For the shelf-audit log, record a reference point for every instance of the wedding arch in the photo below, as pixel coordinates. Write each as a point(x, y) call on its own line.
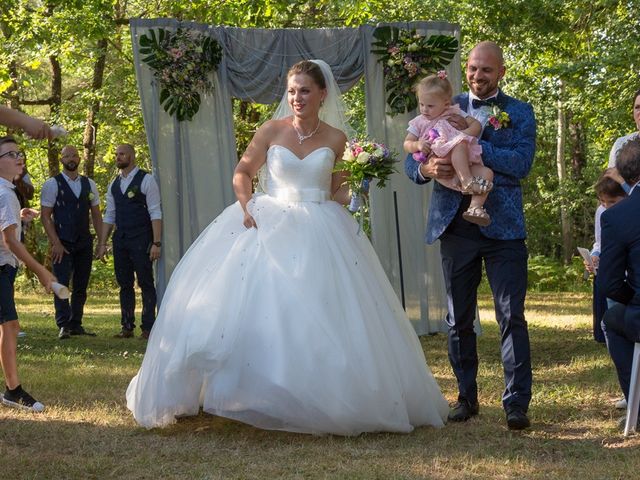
point(193, 161)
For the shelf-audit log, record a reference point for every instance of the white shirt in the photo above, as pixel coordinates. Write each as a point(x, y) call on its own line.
point(481, 114)
point(149, 188)
point(9, 215)
point(595, 251)
point(49, 192)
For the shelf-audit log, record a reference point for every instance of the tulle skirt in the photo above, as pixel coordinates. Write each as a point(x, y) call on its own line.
point(291, 326)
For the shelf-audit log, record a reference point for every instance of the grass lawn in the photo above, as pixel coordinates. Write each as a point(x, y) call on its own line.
point(87, 432)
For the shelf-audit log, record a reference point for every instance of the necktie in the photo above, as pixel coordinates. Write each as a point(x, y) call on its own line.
point(477, 103)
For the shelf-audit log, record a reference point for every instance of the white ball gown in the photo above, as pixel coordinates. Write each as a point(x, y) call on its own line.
point(291, 326)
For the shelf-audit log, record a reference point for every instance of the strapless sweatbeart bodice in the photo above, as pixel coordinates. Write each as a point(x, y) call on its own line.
point(292, 178)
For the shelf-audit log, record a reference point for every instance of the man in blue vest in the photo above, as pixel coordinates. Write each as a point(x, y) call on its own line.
point(508, 147)
point(133, 207)
point(67, 201)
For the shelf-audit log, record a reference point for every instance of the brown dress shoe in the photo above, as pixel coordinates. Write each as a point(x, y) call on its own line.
point(124, 333)
point(145, 334)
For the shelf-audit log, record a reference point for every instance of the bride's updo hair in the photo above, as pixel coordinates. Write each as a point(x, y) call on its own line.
point(307, 67)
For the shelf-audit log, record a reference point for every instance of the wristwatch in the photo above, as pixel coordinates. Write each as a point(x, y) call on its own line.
point(156, 244)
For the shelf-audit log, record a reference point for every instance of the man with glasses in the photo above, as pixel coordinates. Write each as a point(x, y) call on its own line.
point(67, 201)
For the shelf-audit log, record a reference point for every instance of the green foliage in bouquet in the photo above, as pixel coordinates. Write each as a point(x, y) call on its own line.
point(366, 160)
point(407, 56)
point(181, 63)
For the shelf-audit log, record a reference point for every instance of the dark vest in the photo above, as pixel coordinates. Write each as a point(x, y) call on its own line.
point(132, 215)
point(71, 213)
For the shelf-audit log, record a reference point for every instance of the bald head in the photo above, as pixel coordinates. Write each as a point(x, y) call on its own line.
point(69, 158)
point(125, 157)
point(485, 69)
point(489, 48)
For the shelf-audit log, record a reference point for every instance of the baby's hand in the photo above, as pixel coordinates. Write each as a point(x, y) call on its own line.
point(424, 146)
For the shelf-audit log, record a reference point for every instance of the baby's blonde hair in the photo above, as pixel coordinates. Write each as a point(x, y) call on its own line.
point(435, 84)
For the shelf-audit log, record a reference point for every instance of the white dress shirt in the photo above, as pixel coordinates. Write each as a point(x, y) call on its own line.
point(481, 114)
point(149, 188)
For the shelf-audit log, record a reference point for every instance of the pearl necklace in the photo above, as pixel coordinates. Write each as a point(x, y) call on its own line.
point(301, 137)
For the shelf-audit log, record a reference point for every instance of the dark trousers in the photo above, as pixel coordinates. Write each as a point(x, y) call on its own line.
point(131, 255)
point(599, 307)
point(73, 271)
point(463, 248)
point(619, 345)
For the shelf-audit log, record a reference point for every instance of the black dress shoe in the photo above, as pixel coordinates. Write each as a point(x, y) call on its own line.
point(64, 333)
point(81, 331)
point(517, 420)
point(463, 411)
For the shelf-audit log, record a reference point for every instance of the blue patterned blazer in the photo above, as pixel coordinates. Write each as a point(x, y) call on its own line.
point(509, 152)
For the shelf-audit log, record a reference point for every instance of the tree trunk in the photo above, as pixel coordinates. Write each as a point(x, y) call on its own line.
point(56, 101)
point(578, 147)
point(565, 219)
point(91, 128)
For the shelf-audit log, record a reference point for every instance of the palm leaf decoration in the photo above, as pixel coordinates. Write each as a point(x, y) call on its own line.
point(406, 57)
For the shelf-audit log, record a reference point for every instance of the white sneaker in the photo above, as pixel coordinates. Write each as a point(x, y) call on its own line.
point(621, 404)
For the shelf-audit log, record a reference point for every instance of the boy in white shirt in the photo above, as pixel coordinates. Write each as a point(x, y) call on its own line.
point(12, 251)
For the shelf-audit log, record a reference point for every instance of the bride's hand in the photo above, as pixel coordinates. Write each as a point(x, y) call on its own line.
point(249, 221)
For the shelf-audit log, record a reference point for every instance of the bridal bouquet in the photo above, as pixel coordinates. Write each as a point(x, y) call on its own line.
point(365, 160)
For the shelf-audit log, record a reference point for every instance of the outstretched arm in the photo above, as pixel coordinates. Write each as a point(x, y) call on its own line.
point(32, 126)
point(20, 251)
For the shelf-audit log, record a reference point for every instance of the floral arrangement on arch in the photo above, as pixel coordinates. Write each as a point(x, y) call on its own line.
point(181, 63)
point(406, 56)
point(365, 160)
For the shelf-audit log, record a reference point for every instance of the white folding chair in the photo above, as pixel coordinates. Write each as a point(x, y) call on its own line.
point(634, 393)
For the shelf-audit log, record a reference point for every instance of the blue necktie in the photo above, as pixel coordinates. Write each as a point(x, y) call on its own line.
point(477, 103)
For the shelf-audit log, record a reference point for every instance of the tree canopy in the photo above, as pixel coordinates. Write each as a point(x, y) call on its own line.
point(576, 62)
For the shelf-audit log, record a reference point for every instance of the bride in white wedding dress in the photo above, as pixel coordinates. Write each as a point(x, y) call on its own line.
point(280, 314)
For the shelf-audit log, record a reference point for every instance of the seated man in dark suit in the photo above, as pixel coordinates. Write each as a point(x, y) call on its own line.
point(619, 272)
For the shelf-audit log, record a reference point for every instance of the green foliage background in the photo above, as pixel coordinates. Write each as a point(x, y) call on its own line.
point(590, 47)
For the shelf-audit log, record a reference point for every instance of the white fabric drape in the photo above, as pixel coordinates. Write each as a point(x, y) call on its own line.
point(193, 161)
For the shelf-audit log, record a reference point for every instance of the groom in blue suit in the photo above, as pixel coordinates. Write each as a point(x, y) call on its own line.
point(619, 268)
point(508, 150)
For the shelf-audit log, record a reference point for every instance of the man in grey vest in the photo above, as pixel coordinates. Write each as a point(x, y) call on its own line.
point(67, 201)
point(133, 207)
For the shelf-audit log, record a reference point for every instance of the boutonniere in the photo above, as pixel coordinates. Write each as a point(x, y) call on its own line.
point(132, 191)
point(499, 118)
point(91, 196)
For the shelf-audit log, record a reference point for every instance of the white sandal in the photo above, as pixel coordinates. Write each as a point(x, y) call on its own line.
point(477, 186)
point(477, 215)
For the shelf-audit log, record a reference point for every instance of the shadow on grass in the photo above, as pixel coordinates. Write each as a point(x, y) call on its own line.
point(205, 446)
